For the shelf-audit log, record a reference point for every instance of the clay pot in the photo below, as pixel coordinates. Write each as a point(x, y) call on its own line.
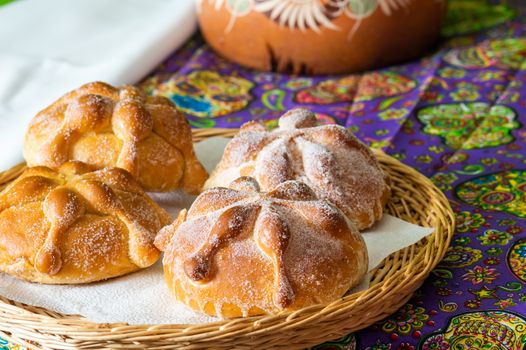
point(320, 36)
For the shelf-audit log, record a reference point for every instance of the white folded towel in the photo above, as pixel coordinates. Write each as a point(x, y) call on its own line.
point(50, 47)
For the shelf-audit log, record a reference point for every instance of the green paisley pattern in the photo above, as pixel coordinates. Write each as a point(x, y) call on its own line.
point(499, 53)
point(469, 125)
point(466, 16)
point(492, 330)
point(517, 259)
point(504, 191)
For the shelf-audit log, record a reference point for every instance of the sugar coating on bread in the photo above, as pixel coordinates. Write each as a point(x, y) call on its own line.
point(75, 225)
point(328, 158)
point(241, 252)
point(107, 127)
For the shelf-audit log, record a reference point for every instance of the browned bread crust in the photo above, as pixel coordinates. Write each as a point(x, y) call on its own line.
point(77, 226)
point(117, 127)
point(242, 252)
point(328, 158)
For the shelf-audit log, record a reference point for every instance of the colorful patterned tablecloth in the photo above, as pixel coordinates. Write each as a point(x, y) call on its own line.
point(458, 117)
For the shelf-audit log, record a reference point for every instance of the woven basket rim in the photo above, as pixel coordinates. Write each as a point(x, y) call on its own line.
point(23, 320)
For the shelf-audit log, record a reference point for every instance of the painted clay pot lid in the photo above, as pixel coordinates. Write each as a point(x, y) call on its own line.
point(320, 36)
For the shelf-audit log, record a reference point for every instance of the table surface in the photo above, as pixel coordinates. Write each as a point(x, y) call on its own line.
point(458, 116)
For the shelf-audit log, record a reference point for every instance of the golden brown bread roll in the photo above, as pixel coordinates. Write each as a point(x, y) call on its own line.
point(328, 158)
point(241, 252)
point(107, 127)
point(77, 226)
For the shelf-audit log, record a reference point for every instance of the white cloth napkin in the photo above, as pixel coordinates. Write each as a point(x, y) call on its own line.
point(50, 47)
point(144, 298)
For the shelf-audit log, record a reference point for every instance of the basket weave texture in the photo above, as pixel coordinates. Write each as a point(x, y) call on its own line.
point(415, 199)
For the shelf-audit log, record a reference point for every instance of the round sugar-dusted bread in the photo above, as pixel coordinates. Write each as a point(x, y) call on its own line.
point(328, 158)
point(242, 252)
point(74, 225)
point(117, 127)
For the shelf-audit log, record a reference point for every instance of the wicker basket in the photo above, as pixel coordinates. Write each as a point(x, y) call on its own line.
point(415, 199)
